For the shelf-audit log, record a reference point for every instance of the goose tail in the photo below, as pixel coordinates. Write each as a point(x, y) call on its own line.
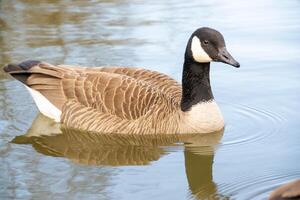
point(21, 71)
point(43, 81)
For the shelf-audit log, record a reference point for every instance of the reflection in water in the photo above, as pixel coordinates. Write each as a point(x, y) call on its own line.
point(199, 172)
point(90, 148)
point(50, 138)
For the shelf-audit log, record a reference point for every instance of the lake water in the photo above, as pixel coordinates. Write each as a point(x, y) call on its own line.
point(258, 150)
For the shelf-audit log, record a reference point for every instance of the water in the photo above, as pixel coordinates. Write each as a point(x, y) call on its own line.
point(258, 151)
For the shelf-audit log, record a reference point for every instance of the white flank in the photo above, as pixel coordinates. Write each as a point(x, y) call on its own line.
point(44, 105)
point(203, 117)
point(198, 52)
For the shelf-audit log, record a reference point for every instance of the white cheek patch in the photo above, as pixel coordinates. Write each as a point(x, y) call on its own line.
point(198, 52)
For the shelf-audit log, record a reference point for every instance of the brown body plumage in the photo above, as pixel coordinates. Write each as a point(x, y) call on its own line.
point(109, 99)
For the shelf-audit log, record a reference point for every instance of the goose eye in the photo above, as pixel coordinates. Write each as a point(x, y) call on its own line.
point(205, 42)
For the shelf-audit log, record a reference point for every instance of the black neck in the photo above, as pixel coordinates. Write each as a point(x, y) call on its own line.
point(195, 84)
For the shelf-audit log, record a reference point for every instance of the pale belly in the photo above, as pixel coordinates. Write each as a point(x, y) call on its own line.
point(202, 118)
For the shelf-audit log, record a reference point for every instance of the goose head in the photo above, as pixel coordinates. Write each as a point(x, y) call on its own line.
point(207, 45)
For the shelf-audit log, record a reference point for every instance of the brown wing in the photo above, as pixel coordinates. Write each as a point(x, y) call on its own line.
point(124, 93)
point(113, 94)
point(162, 82)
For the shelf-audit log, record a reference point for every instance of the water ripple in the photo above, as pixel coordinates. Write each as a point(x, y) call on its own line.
point(258, 188)
point(258, 124)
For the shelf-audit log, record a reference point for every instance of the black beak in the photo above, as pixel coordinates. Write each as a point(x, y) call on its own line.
point(225, 57)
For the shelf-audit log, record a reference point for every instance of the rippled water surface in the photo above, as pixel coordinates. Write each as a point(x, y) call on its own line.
point(258, 150)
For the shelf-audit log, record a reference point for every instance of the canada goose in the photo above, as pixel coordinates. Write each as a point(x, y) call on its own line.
point(287, 191)
point(131, 100)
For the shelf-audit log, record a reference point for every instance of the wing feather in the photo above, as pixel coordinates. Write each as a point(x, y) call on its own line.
point(109, 93)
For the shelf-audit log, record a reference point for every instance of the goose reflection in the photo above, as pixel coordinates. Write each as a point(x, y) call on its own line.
point(53, 139)
point(199, 171)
